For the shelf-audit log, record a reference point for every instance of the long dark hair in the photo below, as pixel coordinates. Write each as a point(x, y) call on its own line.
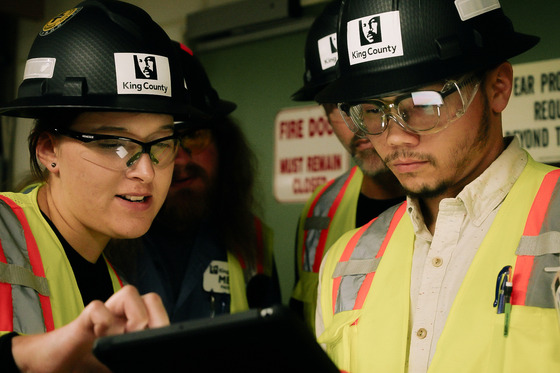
point(235, 206)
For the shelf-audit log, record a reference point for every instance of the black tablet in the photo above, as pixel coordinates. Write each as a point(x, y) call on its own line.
point(259, 340)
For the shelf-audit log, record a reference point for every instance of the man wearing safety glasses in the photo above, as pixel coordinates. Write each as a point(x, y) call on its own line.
point(347, 201)
point(458, 277)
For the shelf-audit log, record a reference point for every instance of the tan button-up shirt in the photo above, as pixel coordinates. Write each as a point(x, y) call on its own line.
point(440, 262)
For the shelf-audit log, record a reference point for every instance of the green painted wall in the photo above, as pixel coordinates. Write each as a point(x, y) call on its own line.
point(261, 76)
point(537, 17)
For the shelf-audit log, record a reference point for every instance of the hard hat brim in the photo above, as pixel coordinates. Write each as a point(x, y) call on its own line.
point(37, 107)
point(307, 93)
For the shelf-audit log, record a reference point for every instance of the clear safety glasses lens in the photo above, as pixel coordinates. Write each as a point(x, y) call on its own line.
point(119, 153)
point(195, 141)
point(419, 112)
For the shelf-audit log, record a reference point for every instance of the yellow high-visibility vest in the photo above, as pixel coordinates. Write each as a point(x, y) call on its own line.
point(38, 290)
point(328, 214)
point(238, 270)
point(365, 299)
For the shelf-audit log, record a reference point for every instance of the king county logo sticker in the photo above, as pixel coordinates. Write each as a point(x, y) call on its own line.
point(58, 21)
point(374, 37)
point(328, 51)
point(142, 74)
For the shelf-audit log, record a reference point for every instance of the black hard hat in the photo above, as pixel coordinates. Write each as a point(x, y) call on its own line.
point(101, 55)
point(204, 97)
point(386, 47)
point(320, 53)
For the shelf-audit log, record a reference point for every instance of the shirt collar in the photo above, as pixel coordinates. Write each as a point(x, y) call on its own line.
point(486, 192)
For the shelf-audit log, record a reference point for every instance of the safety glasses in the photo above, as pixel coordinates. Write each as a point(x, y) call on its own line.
point(420, 112)
point(119, 153)
point(195, 141)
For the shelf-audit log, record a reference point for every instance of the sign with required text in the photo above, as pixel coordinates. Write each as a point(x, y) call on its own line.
point(307, 153)
point(533, 111)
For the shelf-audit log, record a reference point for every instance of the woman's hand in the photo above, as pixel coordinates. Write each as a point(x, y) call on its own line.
point(69, 348)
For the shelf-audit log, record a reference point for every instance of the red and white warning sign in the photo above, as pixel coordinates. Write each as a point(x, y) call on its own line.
point(306, 153)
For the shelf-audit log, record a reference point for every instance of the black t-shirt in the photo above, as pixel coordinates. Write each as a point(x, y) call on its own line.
point(94, 280)
point(369, 208)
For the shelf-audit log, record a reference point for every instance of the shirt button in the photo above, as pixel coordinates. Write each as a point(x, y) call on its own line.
point(422, 333)
point(437, 261)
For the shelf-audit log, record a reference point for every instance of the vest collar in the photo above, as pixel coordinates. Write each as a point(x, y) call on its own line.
point(484, 194)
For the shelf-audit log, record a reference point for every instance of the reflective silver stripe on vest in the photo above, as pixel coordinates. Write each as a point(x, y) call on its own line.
point(544, 243)
point(362, 261)
point(28, 314)
point(546, 249)
point(320, 220)
point(16, 275)
point(356, 267)
point(317, 222)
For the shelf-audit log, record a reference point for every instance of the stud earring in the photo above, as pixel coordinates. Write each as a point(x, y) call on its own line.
point(53, 165)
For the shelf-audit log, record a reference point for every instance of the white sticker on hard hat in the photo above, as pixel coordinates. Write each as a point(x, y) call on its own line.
point(39, 68)
point(374, 37)
point(328, 51)
point(142, 74)
point(216, 277)
point(471, 8)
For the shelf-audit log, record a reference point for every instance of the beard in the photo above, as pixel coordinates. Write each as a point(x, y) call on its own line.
point(463, 155)
point(427, 192)
point(424, 191)
point(367, 160)
point(184, 209)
